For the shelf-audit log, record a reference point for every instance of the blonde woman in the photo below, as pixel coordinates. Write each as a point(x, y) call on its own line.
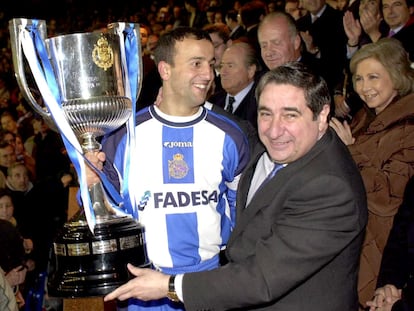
point(381, 141)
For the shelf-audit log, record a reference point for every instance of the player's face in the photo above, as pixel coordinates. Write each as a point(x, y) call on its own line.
point(192, 73)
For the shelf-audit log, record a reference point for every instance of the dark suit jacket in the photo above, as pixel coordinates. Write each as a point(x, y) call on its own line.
point(297, 244)
point(238, 33)
point(397, 265)
point(328, 34)
point(247, 110)
point(406, 37)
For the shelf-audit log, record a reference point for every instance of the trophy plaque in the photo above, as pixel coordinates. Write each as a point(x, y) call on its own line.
point(88, 80)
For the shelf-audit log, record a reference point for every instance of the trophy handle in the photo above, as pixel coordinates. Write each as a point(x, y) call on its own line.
point(15, 26)
point(126, 28)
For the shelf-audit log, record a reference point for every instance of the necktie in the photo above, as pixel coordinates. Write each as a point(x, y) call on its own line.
point(272, 173)
point(230, 104)
point(269, 176)
point(391, 33)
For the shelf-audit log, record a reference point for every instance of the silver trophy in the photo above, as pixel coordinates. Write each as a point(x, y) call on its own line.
point(90, 81)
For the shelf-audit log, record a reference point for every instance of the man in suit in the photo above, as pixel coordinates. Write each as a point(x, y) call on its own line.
point(397, 21)
point(220, 36)
point(237, 30)
point(280, 42)
point(251, 13)
point(399, 17)
point(298, 236)
point(238, 69)
point(324, 35)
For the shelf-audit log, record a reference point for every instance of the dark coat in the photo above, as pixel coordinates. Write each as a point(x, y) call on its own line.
point(296, 245)
point(247, 110)
point(329, 36)
point(397, 266)
point(11, 246)
point(240, 32)
point(405, 36)
point(383, 153)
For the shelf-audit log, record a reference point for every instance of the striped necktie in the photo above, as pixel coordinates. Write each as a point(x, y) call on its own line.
point(229, 107)
point(272, 173)
point(269, 176)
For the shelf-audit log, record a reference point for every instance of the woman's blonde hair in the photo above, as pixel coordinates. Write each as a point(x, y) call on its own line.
point(392, 55)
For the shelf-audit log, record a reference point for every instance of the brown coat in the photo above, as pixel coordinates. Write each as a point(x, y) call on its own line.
point(384, 153)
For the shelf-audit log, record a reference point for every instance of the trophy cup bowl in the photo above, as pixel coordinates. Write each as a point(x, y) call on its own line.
point(89, 70)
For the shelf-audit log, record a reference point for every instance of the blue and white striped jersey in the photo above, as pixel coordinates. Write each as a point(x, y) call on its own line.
point(184, 178)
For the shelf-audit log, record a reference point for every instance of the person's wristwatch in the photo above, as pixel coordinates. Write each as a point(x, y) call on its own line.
point(172, 294)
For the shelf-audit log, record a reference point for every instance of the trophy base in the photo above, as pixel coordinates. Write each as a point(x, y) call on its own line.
point(89, 265)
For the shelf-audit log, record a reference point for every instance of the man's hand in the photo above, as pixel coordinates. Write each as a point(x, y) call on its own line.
point(97, 159)
point(308, 40)
point(147, 285)
point(16, 276)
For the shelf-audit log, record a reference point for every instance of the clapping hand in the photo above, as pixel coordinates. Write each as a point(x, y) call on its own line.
point(352, 28)
point(343, 130)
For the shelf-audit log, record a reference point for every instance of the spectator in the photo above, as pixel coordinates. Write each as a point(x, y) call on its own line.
point(151, 80)
point(7, 157)
point(41, 218)
point(292, 8)
point(4, 90)
point(7, 213)
point(237, 31)
point(220, 35)
point(280, 42)
point(21, 155)
point(7, 299)
point(388, 18)
point(381, 140)
point(251, 13)
point(49, 152)
point(9, 123)
point(324, 36)
point(363, 23)
point(239, 66)
point(399, 17)
point(196, 17)
point(12, 260)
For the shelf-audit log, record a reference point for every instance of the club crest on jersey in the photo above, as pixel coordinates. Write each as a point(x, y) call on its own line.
point(177, 168)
